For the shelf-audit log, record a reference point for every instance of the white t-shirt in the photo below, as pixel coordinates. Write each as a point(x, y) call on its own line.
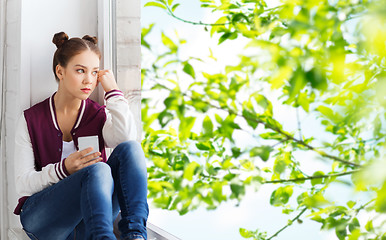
point(68, 148)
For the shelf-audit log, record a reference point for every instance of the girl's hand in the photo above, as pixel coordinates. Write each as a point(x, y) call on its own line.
point(79, 160)
point(107, 79)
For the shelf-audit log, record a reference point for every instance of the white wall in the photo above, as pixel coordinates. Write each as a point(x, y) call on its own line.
point(128, 57)
point(28, 77)
point(11, 104)
point(40, 20)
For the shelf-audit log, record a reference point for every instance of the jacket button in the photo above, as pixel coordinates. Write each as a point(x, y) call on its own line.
point(60, 149)
point(73, 134)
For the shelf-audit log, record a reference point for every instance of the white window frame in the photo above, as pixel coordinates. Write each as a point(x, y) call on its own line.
point(3, 197)
point(106, 38)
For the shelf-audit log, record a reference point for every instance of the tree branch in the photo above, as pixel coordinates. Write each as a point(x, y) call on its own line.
point(288, 224)
point(294, 180)
point(299, 124)
point(274, 128)
point(311, 177)
point(170, 12)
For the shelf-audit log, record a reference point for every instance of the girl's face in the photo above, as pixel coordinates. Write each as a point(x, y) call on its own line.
point(79, 77)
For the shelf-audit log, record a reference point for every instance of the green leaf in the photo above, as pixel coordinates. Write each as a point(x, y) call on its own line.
point(237, 190)
point(369, 226)
point(351, 204)
point(162, 202)
point(317, 79)
point(300, 199)
point(236, 152)
point(164, 118)
point(155, 4)
point(328, 112)
point(204, 146)
point(207, 126)
point(281, 195)
point(217, 188)
point(281, 162)
point(144, 32)
point(249, 117)
point(354, 224)
point(238, 17)
point(316, 181)
point(380, 201)
point(297, 83)
point(341, 233)
point(170, 102)
point(189, 70)
point(263, 152)
point(226, 36)
point(168, 43)
point(175, 6)
point(190, 170)
point(185, 127)
point(273, 136)
point(246, 233)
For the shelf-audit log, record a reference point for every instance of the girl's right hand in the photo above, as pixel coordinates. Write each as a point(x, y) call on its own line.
point(78, 160)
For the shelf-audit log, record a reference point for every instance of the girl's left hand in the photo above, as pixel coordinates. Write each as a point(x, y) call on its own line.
point(107, 79)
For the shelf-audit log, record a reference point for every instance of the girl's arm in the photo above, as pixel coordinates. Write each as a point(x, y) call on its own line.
point(28, 180)
point(120, 124)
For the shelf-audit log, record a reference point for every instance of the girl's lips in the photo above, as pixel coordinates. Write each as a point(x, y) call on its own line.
point(86, 90)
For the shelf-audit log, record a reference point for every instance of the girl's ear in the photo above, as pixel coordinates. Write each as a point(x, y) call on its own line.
point(59, 71)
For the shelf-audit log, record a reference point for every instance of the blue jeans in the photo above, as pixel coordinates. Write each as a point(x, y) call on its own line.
point(85, 204)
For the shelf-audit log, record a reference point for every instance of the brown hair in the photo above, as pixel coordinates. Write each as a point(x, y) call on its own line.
point(68, 48)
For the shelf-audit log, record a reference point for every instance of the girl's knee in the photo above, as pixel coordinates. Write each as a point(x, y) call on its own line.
point(99, 169)
point(130, 146)
point(131, 153)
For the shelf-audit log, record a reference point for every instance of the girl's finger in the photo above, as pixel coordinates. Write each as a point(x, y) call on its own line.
point(91, 162)
point(80, 154)
point(90, 157)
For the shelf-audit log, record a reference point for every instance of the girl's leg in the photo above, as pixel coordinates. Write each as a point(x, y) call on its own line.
point(128, 167)
point(87, 194)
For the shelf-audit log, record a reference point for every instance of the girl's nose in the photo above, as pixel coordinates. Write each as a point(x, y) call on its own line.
point(88, 78)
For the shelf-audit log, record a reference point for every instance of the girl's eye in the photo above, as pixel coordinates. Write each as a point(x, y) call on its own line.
point(80, 71)
point(95, 73)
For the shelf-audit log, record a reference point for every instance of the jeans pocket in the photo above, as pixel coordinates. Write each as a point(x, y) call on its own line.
point(30, 235)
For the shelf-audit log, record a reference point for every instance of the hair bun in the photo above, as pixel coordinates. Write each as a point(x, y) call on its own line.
point(59, 39)
point(91, 39)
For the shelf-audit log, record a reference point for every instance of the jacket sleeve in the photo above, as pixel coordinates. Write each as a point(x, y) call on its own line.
point(120, 124)
point(28, 180)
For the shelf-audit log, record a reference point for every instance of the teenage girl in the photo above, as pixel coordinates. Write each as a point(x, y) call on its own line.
point(67, 192)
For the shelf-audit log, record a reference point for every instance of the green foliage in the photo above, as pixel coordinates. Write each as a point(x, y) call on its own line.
point(325, 59)
point(255, 235)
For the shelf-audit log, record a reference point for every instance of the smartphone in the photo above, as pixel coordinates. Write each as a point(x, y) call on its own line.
point(90, 141)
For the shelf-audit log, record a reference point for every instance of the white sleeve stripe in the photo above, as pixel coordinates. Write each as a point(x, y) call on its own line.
point(61, 169)
point(113, 93)
point(57, 165)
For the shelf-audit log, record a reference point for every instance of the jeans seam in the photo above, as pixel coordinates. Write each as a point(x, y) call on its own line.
point(88, 199)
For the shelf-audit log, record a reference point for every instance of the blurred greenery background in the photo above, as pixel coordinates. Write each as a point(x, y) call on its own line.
point(214, 131)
